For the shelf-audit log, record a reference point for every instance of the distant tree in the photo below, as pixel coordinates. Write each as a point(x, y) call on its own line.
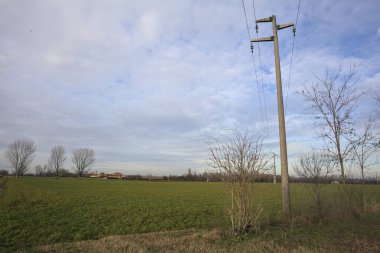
point(64, 173)
point(49, 172)
point(39, 170)
point(334, 98)
point(4, 173)
point(82, 159)
point(20, 155)
point(240, 158)
point(57, 158)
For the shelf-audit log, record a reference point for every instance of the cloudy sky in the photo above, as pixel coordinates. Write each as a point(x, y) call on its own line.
point(146, 83)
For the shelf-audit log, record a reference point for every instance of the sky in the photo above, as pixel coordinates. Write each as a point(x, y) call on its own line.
point(145, 84)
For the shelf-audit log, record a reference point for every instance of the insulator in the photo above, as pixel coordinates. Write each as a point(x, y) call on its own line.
point(257, 28)
point(294, 31)
point(251, 48)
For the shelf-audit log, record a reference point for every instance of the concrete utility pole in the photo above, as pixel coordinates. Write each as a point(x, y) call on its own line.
point(281, 116)
point(274, 169)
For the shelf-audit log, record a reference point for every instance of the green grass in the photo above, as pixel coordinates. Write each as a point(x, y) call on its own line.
point(44, 210)
point(41, 211)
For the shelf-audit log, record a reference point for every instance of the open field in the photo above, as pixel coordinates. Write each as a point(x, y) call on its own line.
point(45, 214)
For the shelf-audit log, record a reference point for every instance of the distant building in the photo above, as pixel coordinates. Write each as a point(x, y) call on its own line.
point(115, 175)
point(95, 174)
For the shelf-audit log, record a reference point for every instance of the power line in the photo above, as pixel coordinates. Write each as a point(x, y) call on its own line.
point(262, 85)
point(291, 57)
point(254, 10)
point(261, 68)
point(253, 60)
point(246, 20)
point(298, 12)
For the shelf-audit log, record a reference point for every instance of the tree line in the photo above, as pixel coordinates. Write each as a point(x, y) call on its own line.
point(20, 155)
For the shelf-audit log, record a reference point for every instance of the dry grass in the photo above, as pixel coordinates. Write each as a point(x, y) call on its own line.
point(191, 240)
point(373, 207)
point(169, 241)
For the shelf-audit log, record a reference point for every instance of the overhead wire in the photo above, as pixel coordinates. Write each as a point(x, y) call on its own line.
point(291, 57)
point(253, 60)
point(261, 68)
point(260, 62)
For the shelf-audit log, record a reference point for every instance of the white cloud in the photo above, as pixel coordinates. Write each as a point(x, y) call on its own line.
point(150, 26)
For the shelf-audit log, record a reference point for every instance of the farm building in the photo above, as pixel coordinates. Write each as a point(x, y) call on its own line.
point(95, 174)
point(116, 175)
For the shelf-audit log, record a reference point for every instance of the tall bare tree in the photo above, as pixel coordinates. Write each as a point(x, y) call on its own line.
point(57, 158)
point(334, 98)
point(240, 158)
point(315, 168)
point(83, 158)
point(365, 147)
point(20, 155)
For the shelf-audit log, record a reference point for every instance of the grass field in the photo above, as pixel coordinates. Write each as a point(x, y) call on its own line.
point(36, 212)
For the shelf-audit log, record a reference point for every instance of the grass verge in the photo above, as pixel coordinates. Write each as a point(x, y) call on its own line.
point(349, 236)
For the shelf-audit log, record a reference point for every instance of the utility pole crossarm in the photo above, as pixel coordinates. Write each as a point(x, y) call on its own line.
point(263, 39)
point(279, 27)
point(262, 20)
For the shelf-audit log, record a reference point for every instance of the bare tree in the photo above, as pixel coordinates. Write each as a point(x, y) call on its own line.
point(20, 155)
point(240, 158)
point(365, 147)
point(315, 168)
point(57, 158)
point(83, 158)
point(334, 98)
point(39, 170)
